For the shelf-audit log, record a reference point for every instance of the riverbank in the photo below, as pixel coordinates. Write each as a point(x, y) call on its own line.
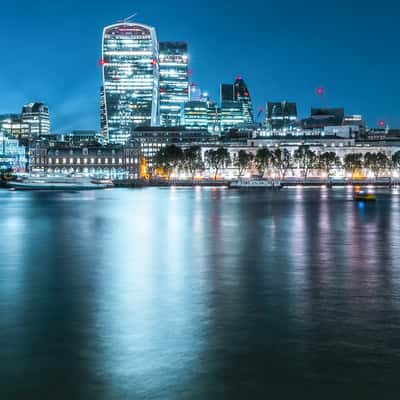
point(134, 183)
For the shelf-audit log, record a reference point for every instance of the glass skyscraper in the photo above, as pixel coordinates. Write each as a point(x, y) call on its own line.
point(242, 94)
point(196, 115)
point(37, 116)
point(130, 79)
point(174, 81)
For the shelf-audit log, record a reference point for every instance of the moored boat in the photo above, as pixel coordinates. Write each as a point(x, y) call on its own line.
point(255, 184)
point(58, 183)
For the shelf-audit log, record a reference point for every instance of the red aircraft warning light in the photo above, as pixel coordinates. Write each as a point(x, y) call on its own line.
point(320, 91)
point(101, 61)
point(381, 123)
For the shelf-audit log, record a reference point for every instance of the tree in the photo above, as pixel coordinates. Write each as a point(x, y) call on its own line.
point(396, 160)
point(306, 159)
point(376, 162)
point(167, 159)
point(217, 159)
point(192, 160)
point(352, 163)
point(263, 160)
point(243, 161)
point(328, 161)
point(282, 161)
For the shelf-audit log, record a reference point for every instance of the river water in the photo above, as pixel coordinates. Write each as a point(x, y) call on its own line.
point(196, 293)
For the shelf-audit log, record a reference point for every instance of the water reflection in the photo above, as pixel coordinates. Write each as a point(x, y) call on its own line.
point(203, 293)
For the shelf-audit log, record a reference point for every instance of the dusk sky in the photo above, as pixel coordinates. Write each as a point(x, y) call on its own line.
point(284, 50)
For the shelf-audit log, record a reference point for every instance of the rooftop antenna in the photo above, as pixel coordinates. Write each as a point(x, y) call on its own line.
point(130, 17)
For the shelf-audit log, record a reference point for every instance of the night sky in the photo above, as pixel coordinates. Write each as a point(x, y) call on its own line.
point(283, 49)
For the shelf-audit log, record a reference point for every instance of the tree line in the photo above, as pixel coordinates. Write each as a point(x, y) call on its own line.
point(280, 162)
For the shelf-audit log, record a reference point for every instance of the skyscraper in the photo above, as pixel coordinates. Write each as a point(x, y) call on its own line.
point(37, 116)
point(174, 81)
point(196, 115)
point(227, 92)
point(242, 94)
point(231, 115)
point(130, 79)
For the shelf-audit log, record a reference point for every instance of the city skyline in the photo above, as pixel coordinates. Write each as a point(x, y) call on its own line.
point(354, 79)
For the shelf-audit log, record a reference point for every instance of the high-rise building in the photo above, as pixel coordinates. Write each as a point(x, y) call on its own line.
point(103, 117)
point(231, 115)
point(242, 94)
point(195, 115)
point(227, 92)
point(130, 79)
point(13, 125)
point(37, 116)
point(281, 115)
point(174, 81)
point(213, 117)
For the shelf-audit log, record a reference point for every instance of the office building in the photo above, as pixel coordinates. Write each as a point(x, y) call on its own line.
point(174, 82)
point(130, 79)
point(242, 95)
point(281, 115)
point(195, 115)
point(37, 116)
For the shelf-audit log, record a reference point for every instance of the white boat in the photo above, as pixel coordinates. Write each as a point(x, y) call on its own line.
point(255, 184)
point(58, 183)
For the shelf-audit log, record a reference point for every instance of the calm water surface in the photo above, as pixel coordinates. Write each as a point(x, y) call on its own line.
point(196, 294)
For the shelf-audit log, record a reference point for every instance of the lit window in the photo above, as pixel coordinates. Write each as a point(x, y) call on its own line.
point(92, 160)
point(85, 160)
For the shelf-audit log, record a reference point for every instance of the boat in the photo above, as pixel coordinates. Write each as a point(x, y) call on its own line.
point(254, 183)
point(362, 195)
point(58, 183)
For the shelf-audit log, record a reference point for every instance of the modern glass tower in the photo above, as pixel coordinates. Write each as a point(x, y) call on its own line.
point(196, 115)
point(130, 79)
point(242, 94)
point(174, 81)
point(37, 116)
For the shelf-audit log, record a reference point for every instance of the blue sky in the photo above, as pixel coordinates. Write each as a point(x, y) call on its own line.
point(284, 50)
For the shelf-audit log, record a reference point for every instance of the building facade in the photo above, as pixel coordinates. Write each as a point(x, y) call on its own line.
point(130, 79)
point(195, 115)
point(37, 116)
point(242, 95)
point(12, 154)
point(281, 115)
point(112, 161)
point(174, 81)
point(231, 115)
point(15, 126)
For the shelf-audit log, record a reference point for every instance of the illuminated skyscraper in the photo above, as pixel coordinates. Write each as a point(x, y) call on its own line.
point(242, 94)
point(196, 115)
point(37, 116)
point(231, 115)
point(130, 79)
point(174, 81)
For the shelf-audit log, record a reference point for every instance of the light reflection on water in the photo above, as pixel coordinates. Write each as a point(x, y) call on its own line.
point(200, 293)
